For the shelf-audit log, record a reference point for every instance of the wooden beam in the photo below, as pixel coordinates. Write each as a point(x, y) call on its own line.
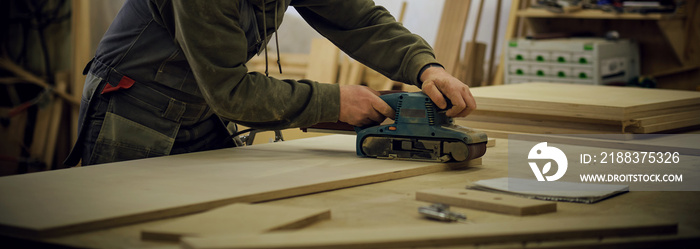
point(485, 201)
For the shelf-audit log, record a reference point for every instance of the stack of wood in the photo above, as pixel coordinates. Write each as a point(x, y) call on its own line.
point(551, 108)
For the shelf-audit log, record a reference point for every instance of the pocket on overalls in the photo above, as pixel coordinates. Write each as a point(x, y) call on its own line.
point(121, 139)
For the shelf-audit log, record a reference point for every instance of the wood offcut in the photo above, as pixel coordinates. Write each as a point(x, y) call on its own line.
point(484, 201)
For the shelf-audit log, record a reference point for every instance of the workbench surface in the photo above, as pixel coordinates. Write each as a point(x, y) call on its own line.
point(393, 203)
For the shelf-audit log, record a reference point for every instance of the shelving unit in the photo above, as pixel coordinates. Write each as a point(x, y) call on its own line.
point(596, 14)
point(669, 43)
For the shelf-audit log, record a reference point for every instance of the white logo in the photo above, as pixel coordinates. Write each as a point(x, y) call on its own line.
point(542, 151)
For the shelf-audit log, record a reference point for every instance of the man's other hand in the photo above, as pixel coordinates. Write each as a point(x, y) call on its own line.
point(361, 106)
point(437, 84)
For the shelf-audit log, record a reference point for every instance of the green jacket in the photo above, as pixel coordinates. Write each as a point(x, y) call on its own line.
point(218, 37)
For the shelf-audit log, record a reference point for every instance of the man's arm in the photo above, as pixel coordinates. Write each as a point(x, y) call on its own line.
point(437, 82)
point(216, 49)
point(372, 36)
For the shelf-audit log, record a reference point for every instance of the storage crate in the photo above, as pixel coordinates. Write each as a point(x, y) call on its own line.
point(590, 61)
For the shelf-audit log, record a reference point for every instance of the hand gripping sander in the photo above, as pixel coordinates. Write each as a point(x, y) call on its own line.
point(421, 131)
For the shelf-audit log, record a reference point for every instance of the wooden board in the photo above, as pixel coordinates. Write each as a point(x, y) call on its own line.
point(446, 234)
point(448, 42)
point(323, 61)
point(583, 101)
point(119, 193)
point(81, 54)
point(239, 218)
point(511, 32)
point(491, 202)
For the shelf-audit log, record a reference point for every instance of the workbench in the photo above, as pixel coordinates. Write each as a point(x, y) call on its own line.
point(392, 203)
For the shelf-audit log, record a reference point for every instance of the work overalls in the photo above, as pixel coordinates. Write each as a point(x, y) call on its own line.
point(140, 97)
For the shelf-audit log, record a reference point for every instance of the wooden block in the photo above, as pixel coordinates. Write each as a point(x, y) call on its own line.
point(450, 33)
point(537, 229)
point(484, 201)
point(239, 218)
point(410, 88)
point(88, 198)
point(323, 61)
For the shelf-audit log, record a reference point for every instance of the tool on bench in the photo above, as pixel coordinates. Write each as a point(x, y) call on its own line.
point(441, 212)
point(421, 131)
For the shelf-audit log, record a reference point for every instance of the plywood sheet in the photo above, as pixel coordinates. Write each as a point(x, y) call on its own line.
point(239, 218)
point(491, 202)
point(446, 234)
point(583, 101)
point(450, 33)
point(132, 191)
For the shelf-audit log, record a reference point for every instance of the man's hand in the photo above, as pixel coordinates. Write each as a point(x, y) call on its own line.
point(437, 82)
point(361, 106)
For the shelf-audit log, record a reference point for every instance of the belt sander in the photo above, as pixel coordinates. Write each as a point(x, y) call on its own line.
point(421, 131)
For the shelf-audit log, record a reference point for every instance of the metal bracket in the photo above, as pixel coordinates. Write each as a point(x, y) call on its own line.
point(441, 212)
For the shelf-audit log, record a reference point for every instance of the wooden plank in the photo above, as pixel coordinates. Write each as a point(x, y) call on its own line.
point(447, 234)
point(54, 122)
point(516, 128)
point(82, 53)
point(473, 66)
point(448, 42)
point(511, 32)
point(119, 193)
point(675, 124)
point(583, 101)
point(685, 145)
point(239, 218)
point(484, 201)
point(494, 40)
point(323, 61)
point(473, 60)
point(654, 120)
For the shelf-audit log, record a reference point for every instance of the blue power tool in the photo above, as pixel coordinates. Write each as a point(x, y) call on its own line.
point(421, 131)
